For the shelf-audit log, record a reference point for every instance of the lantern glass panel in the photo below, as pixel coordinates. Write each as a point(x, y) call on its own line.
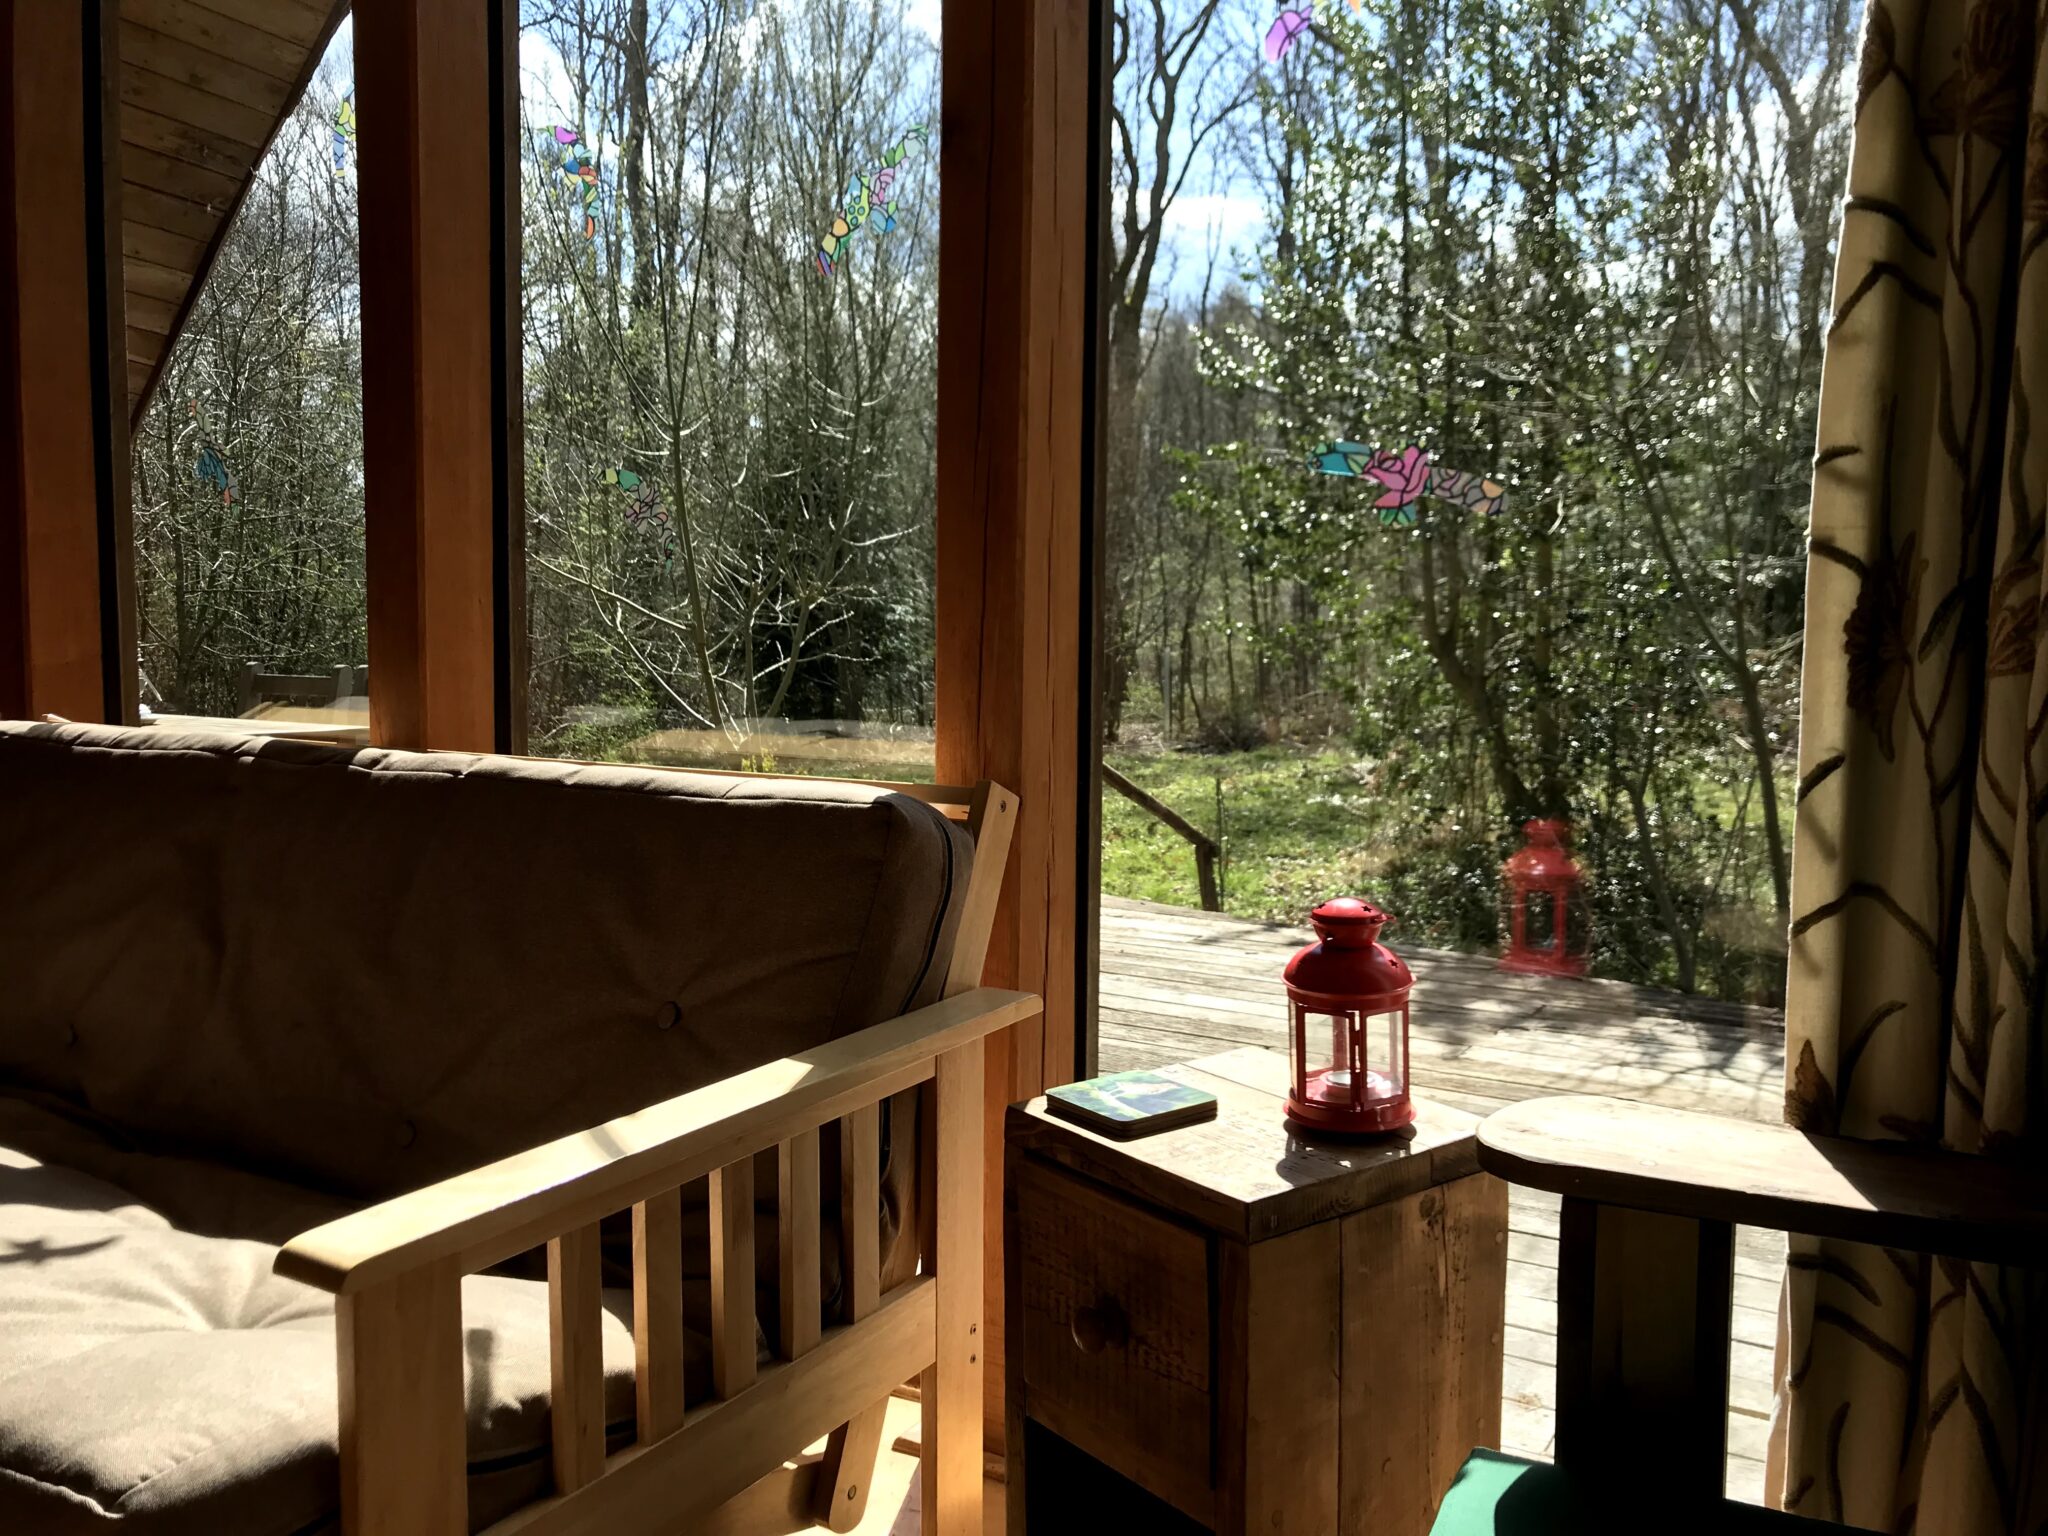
point(1352, 1060)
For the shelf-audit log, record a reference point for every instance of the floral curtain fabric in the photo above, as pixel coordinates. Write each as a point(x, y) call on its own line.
point(1910, 1396)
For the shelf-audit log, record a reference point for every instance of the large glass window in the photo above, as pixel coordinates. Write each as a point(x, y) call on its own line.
point(248, 454)
point(1463, 365)
point(730, 271)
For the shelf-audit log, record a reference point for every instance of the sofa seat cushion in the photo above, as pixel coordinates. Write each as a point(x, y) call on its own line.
point(168, 1381)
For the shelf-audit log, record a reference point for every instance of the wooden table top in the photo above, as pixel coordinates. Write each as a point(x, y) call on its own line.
point(1247, 1173)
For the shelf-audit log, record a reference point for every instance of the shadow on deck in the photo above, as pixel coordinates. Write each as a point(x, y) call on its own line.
point(1178, 984)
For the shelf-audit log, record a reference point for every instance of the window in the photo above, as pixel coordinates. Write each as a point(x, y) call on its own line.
point(1581, 251)
point(248, 445)
point(729, 278)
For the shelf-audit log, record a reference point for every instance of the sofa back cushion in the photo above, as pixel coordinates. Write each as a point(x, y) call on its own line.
point(366, 970)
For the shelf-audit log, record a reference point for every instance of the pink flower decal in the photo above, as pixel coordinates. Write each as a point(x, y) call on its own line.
point(1404, 474)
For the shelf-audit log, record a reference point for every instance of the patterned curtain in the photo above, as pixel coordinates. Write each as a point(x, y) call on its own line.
point(1910, 1388)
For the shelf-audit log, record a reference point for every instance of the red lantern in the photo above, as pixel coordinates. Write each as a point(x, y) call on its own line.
point(1545, 874)
point(1349, 998)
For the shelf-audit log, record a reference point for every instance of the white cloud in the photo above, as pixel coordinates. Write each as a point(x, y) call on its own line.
point(924, 15)
point(1231, 217)
point(544, 79)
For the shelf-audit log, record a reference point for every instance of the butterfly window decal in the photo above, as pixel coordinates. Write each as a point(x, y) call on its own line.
point(1291, 26)
point(211, 467)
point(643, 508)
point(871, 198)
point(344, 132)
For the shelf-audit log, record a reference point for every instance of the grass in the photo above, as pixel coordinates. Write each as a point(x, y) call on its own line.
point(1298, 827)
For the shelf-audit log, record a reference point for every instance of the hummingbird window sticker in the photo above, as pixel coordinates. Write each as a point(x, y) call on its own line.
point(579, 169)
point(1406, 477)
point(1292, 25)
point(871, 198)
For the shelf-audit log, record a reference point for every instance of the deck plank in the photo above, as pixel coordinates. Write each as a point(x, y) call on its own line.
point(1178, 984)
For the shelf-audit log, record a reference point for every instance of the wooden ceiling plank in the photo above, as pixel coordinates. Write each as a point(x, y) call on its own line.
point(145, 346)
point(153, 281)
point(246, 127)
point(159, 246)
point(159, 316)
point(179, 178)
point(182, 141)
point(178, 60)
point(276, 56)
point(312, 24)
point(300, 21)
point(159, 210)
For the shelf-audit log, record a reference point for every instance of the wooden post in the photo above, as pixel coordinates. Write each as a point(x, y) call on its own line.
point(950, 1394)
point(434, 368)
point(1013, 315)
point(1644, 1310)
point(66, 630)
point(404, 1457)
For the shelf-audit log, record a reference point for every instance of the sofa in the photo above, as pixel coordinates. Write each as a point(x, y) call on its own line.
point(377, 1128)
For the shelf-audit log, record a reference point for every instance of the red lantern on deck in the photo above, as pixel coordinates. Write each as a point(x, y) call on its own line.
point(1550, 932)
point(1348, 995)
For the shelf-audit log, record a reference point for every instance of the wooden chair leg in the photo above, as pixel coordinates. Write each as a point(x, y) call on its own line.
point(1644, 1309)
point(848, 1470)
point(950, 1394)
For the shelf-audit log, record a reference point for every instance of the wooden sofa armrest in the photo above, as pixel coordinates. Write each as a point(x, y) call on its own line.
point(1681, 1163)
point(396, 1268)
point(489, 1214)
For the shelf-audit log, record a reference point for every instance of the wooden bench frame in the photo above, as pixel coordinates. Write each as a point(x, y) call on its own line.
point(396, 1268)
point(1646, 1262)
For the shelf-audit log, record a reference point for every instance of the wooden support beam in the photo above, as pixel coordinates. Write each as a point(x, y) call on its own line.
point(66, 625)
point(1014, 259)
point(428, 87)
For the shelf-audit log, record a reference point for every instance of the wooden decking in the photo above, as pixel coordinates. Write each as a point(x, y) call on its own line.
point(1177, 984)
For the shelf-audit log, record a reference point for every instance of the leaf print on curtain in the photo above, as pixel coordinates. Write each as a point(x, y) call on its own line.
point(1910, 1396)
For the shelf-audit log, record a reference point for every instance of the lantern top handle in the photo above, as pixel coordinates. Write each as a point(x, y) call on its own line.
point(1348, 923)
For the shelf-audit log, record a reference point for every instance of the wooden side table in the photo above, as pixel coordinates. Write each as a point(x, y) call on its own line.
point(1231, 1327)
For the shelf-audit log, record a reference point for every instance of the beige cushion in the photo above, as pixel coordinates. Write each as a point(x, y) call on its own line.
point(170, 1383)
point(358, 972)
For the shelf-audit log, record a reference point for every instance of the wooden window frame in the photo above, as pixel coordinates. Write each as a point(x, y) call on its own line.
point(1023, 160)
point(67, 624)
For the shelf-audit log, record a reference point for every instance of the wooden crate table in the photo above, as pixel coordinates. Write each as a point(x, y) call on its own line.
point(1232, 1327)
